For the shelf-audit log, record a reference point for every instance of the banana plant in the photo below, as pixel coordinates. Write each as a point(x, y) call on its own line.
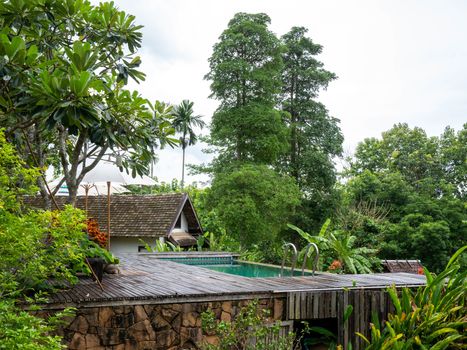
point(432, 318)
point(341, 246)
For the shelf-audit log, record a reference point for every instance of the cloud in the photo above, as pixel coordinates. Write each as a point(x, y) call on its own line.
point(397, 60)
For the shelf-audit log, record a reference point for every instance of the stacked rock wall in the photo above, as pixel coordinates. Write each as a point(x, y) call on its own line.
point(144, 327)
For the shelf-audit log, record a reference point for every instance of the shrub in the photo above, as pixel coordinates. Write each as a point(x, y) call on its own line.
point(249, 330)
point(434, 317)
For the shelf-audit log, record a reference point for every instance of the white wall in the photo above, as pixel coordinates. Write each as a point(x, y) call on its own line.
point(128, 244)
point(184, 223)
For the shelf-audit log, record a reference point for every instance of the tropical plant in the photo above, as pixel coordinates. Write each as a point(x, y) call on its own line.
point(434, 317)
point(20, 330)
point(39, 251)
point(64, 67)
point(249, 330)
point(339, 245)
point(161, 247)
point(184, 122)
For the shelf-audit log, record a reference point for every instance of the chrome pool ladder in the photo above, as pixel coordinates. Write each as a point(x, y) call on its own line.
point(294, 257)
point(315, 262)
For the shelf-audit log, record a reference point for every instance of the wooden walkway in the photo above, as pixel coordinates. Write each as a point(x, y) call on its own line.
point(160, 281)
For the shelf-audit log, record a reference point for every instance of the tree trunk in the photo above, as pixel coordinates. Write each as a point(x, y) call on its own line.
point(183, 168)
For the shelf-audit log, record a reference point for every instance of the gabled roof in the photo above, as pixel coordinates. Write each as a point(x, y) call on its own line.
point(135, 215)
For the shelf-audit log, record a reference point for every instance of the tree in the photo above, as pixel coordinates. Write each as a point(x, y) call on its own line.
point(245, 72)
point(417, 181)
point(401, 149)
point(254, 203)
point(64, 66)
point(315, 137)
point(184, 121)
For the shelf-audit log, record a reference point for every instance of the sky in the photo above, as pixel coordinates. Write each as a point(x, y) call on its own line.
point(397, 60)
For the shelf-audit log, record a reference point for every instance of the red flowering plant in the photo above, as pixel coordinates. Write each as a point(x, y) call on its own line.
point(95, 234)
point(336, 267)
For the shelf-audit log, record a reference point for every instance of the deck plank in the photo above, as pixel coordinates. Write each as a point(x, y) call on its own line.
point(143, 277)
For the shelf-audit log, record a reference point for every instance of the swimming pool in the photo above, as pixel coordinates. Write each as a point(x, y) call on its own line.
point(234, 267)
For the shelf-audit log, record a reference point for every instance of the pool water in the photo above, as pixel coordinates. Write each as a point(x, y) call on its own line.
point(252, 270)
point(240, 268)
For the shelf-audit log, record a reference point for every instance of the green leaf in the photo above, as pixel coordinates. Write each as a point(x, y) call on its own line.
point(348, 312)
point(443, 344)
point(456, 256)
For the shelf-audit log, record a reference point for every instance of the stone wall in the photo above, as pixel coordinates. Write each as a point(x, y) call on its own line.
point(144, 327)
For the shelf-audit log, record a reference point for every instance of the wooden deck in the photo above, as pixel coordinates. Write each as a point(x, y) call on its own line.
point(144, 277)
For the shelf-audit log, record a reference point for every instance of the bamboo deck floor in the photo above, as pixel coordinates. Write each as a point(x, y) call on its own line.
point(162, 281)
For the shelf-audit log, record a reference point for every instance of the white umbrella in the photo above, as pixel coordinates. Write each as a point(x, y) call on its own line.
point(96, 181)
point(94, 189)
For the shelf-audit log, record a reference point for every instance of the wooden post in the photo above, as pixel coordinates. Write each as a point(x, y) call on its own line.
point(86, 191)
point(108, 215)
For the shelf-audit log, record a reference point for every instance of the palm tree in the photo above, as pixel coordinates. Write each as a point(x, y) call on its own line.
point(184, 123)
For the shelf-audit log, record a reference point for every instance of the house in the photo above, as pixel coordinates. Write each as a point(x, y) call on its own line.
point(139, 219)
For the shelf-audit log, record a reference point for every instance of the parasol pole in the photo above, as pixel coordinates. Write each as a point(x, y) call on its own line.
point(108, 215)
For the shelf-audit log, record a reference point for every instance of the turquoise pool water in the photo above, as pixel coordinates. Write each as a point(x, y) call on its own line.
point(252, 270)
point(240, 268)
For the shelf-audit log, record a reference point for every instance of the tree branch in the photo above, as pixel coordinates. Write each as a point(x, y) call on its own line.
point(92, 165)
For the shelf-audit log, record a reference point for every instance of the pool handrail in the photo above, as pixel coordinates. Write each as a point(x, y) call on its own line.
point(315, 262)
point(294, 257)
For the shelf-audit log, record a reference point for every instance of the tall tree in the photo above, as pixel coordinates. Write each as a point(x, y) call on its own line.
point(184, 123)
point(245, 72)
point(315, 137)
point(63, 69)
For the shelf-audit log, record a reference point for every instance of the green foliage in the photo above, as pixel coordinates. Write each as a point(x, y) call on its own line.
point(253, 203)
point(245, 69)
point(315, 137)
point(63, 70)
point(408, 195)
point(434, 317)
point(184, 123)
point(340, 246)
point(249, 330)
point(39, 246)
point(39, 251)
point(15, 180)
point(21, 330)
point(161, 247)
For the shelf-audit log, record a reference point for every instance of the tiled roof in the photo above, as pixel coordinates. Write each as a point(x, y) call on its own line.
point(409, 266)
point(135, 215)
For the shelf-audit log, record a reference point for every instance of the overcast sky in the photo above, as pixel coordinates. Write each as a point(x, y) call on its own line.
point(397, 61)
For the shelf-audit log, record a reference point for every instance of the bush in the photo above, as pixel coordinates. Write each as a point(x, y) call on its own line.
point(434, 317)
point(249, 330)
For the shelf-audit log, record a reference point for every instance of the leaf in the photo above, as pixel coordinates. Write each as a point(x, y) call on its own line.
point(443, 344)
point(456, 255)
point(363, 337)
point(324, 228)
point(348, 312)
point(323, 331)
